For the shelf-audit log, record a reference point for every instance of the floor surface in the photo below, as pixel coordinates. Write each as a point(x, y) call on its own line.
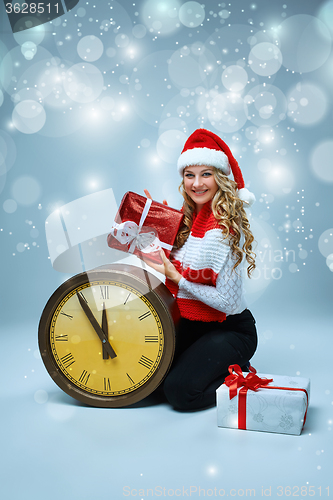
point(56, 448)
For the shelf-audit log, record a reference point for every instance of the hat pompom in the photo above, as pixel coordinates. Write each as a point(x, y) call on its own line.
point(245, 195)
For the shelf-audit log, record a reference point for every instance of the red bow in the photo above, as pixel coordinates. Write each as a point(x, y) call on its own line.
point(251, 381)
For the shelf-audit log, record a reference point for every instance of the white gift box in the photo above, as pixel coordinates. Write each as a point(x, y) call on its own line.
point(281, 410)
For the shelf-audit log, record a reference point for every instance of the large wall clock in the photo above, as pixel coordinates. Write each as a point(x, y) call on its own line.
point(107, 337)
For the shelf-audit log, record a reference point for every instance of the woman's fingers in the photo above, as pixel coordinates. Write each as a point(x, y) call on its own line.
point(158, 267)
point(147, 193)
point(163, 256)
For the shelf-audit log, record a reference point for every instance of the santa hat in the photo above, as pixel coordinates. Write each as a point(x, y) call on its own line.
point(206, 148)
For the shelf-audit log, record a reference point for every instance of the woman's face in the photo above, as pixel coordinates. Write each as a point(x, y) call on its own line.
point(200, 184)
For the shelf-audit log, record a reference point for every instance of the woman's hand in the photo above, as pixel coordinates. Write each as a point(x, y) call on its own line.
point(147, 193)
point(166, 268)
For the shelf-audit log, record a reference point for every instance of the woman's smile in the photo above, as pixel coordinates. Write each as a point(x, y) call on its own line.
point(200, 192)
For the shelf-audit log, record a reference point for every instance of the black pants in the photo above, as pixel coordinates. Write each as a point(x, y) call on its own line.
point(203, 354)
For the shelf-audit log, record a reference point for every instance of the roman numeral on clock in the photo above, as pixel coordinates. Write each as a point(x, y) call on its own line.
point(151, 338)
point(146, 362)
point(130, 379)
point(84, 377)
point(68, 315)
point(145, 315)
point(107, 384)
point(128, 296)
point(62, 337)
point(104, 292)
point(67, 360)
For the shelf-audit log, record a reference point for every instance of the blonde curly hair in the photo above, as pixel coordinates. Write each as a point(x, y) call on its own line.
point(228, 210)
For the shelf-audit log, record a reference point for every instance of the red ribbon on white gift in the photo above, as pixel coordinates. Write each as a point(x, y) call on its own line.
point(129, 233)
point(236, 379)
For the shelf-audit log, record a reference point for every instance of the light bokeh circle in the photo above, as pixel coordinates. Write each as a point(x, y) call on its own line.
point(267, 105)
point(325, 243)
point(9, 206)
point(161, 16)
point(83, 82)
point(329, 261)
point(122, 40)
point(180, 107)
point(90, 48)
point(321, 161)
point(81, 12)
point(234, 78)
point(41, 396)
point(50, 84)
point(307, 104)
point(305, 43)
point(265, 59)
point(251, 133)
point(20, 247)
point(191, 14)
point(227, 112)
point(28, 116)
point(173, 124)
point(139, 31)
point(29, 50)
point(14, 67)
point(265, 134)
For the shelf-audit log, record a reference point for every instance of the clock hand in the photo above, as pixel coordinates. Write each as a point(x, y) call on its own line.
point(105, 328)
point(96, 327)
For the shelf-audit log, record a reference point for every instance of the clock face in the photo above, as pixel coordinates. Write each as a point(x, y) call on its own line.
point(134, 331)
point(108, 340)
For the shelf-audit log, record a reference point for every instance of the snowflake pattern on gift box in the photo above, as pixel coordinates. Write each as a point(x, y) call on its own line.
point(286, 422)
point(233, 408)
point(258, 417)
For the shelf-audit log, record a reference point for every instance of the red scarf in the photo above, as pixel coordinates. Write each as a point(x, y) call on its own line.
point(193, 309)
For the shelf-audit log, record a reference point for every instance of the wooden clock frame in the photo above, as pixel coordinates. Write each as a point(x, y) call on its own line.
point(155, 292)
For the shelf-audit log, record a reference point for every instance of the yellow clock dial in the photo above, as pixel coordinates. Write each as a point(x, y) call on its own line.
point(134, 331)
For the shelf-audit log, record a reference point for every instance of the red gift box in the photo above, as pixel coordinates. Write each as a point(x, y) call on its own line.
point(143, 227)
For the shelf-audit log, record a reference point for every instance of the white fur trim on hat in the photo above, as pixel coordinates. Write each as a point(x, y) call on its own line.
point(204, 156)
point(245, 195)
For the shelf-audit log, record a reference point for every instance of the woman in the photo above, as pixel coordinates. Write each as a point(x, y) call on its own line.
point(204, 273)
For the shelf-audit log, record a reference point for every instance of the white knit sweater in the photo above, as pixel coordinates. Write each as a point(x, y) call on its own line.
point(209, 289)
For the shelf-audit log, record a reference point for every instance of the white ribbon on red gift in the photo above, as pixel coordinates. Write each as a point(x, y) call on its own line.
point(129, 233)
